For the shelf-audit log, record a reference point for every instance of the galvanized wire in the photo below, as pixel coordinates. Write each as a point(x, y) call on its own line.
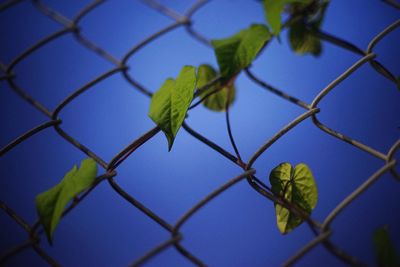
point(321, 231)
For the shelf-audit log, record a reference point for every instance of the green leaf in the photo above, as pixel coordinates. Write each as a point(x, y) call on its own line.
point(302, 41)
point(170, 103)
point(297, 186)
point(273, 12)
point(385, 252)
point(217, 100)
point(50, 204)
point(238, 51)
point(302, 36)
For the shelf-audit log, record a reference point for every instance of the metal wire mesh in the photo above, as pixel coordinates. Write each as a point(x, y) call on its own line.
point(322, 230)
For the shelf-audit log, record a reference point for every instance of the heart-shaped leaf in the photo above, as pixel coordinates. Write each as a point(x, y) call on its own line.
point(51, 204)
point(170, 103)
point(219, 93)
point(238, 51)
point(296, 186)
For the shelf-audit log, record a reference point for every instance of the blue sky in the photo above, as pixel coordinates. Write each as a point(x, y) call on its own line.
point(238, 228)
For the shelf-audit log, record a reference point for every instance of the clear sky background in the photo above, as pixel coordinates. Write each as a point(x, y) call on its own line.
point(238, 228)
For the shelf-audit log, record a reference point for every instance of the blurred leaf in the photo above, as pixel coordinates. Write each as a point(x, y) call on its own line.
point(298, 187)
point(170, 103)
point(237, 52)
point(51, 204)
point(384, 249)
point(216, 101)
point(301, 33)
point(273, 12)
point(302, 41)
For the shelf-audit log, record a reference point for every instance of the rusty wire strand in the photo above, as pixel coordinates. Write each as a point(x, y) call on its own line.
point(153, 252)
point(310, 245)
point(9, 3)
point(336, 211)
point(27, 135)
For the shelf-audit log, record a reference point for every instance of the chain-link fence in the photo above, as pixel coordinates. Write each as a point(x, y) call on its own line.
point(321, 230)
